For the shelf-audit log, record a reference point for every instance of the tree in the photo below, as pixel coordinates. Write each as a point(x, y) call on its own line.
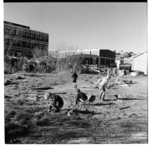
point(11, 37)
point(62, 46)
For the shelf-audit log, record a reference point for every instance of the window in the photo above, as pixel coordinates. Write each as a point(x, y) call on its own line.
point(46, 38)
point(28, 44)
point(6, 31)
point(23, 43)
point(28, 35)
point(102, 61)
point(7, 41)
point(42, 38)
point(18, 33)
point(37, 37)
point(13, 42)
point(23, 34)
point(13, 32)
point(18, 43)
point(32, 45)
point(108, 62)
point(112, 61)
point(33, 36)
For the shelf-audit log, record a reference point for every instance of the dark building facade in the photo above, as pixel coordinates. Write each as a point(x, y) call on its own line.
point(106, 57)
point(101, 57)
point(20, 40)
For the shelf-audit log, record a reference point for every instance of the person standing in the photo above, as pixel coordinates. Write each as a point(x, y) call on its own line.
point(74, 77)
point(103, 84)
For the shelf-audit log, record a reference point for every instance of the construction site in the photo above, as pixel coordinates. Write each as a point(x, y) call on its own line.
point(75, 73)
point(122, 118)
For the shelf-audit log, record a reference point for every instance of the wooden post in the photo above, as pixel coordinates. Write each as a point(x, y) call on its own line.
point(90, 58)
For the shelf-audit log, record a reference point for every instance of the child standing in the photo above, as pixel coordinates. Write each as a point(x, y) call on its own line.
point(74, 76)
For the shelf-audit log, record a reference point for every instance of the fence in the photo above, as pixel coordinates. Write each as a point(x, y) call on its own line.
point(65, 54)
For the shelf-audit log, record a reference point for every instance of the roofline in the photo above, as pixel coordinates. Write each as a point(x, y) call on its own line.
point(23, 27)
point(138, 55)
point(82, 50)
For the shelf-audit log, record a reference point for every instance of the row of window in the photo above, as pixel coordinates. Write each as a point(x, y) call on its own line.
point(25, 53)
point(24, 34)
point(25, 44)
point(106, 61)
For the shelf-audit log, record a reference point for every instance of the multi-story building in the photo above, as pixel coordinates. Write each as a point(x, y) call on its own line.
point(20, 40)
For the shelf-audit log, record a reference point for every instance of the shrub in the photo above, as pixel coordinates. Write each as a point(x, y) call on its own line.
point(68, 63)
point(47, 64)
point(11, 114)
point(9, 68)
point(20, 125)
point(21, 61)
point(13, 130)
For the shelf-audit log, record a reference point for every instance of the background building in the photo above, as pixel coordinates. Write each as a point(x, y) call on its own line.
point(140, 63)
point(101, 57)
point(106, 57)
point(119, 62)
point(20, 40)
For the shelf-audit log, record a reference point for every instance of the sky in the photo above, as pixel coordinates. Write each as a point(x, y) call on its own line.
point(114, 26)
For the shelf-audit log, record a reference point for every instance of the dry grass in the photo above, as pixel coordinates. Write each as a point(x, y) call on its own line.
point(47, 64)
point(22, 125)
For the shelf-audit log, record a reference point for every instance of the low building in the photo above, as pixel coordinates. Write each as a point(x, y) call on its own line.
point(20, 40)
point(101, 57)
point(119, 62)
point(106, 57)
point(140, 63)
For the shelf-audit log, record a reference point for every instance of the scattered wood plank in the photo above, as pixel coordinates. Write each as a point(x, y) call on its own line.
point(41, 88)
point(124, 107)
point(10, 83)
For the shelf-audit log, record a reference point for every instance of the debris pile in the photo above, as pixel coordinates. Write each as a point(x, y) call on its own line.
point(8, 82)
point(121, 82)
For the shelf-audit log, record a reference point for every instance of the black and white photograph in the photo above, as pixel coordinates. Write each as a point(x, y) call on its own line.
point(75, 72)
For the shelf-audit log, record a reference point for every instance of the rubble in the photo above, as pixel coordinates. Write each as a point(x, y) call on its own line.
point(20, 77)
point(8, 82)
point(136, 73)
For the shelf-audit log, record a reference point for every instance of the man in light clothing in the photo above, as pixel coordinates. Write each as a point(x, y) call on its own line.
point(102, 84)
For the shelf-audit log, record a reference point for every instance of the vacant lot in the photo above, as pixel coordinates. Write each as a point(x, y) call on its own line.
point(114, 121)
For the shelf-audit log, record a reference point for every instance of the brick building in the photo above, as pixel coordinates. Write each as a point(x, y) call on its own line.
point(20, 40)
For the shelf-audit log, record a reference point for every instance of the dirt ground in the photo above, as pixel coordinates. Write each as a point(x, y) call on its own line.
point(115, 121)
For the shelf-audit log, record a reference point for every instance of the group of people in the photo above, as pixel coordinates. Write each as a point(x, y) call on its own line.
point(56, 102)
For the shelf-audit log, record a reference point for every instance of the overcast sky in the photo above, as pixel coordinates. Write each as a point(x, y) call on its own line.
point(114, 26)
